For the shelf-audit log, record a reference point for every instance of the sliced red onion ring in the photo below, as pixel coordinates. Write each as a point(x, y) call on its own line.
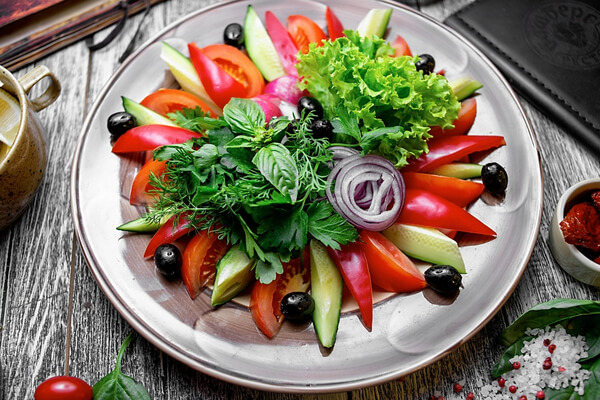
point(368, 191)
point(341, 152)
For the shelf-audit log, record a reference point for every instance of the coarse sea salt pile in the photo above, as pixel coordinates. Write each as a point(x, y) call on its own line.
point(548, 361)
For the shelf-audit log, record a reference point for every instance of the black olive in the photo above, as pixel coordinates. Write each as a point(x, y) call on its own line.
point(308, 104)
point(167, 259)
point(322, 128)
point(494, 177)
point(443, 278)
point(120, 122)
point(297, 306)
point(233, 35)
point(426, 63)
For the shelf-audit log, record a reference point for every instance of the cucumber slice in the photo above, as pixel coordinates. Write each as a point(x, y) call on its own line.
point(426, 244)
point(464, 87)
point(326, 290)
point(234, 274)
point(185, 74)
point(260, 48)
point(458, 170)
point(142, 225)
point(375, 22)
point(144, 115)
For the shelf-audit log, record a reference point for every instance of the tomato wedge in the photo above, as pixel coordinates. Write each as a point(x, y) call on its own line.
point(265, 299)
point(445, 149)
point(391, 270)
point(401, 47)
point(149, 137)
point(304, 31)
point(175, 227)
point(464, 121)
point(141, 183)
point(165, 101)
point(334, 25)
point(285, 46)
point(424, 208)
point(199, 259)
point(238, 65)
point(352, 263)
point(459, 191)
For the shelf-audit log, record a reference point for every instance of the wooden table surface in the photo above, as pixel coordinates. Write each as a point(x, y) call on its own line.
point(54, 319)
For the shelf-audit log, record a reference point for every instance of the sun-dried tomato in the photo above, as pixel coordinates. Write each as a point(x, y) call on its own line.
point(596, 200)
point(581, 226)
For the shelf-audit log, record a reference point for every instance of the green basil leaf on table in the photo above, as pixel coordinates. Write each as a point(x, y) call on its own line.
point(277, 165)
point(244, 116)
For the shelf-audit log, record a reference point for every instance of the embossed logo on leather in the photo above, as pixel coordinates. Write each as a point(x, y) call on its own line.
point(565, 34)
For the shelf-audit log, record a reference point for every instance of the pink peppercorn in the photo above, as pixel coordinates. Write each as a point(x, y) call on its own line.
point(512, 389)
point(516, 365)
point(523, 397)
point(441, 398)
point(501, 382)
point(540, 395)
point(551, 348)
point(547, 364)
point(547, 342)
point(457, 388)
point(470, 396)
point(561, 369)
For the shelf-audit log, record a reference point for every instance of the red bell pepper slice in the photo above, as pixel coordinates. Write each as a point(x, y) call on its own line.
point(352, 263)
point(149, 137)
point(464, 121)
point(141, 183)
point(444, 149)
point(334, 25)
point(459, 191)
point(401, 47)
point(285, 46)
point(426, 209)
point(175, 227)
point(219, 85)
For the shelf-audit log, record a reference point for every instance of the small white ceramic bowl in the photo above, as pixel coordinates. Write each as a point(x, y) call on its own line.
point(568, 256)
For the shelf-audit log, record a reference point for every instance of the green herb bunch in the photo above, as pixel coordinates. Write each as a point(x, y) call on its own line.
point(259, 185)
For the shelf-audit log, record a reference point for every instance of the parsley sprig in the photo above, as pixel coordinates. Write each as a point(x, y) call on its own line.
point(259, 185)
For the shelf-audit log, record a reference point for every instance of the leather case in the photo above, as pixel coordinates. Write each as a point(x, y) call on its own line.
point(549, 50)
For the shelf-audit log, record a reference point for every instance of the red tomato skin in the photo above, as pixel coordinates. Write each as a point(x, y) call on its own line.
point(165, 101)
point(424, 208)
point(63, 388)
point(149, 137)
point(334, 25)
point(141, 183)
point(401, 47)
point(304, 31)
point(219, 85)
point(461, 192)
point(463, 123)
point(199, 259)
point(445, 149)
point(352, 263)
point(286, 48)
point(391, 270)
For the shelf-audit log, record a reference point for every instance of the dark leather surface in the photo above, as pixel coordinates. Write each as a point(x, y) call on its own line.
point(550, 52)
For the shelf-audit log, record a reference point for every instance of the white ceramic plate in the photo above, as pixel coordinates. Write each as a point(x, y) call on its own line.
point(409, 331)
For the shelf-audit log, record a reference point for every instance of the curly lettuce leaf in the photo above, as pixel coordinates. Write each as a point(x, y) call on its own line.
point(379, 91)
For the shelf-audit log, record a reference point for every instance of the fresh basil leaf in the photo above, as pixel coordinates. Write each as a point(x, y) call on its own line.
point(244, 116)
point(279, 168)
point(116, 385)
point(548, 314)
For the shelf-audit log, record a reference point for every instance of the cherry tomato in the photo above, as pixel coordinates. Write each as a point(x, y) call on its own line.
point(165, 101)
point(304, 31)
point(401, 47)
point(463, 123)
point(63, 388)
point(390, 269)
point(200, 257)
point(141, 183)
